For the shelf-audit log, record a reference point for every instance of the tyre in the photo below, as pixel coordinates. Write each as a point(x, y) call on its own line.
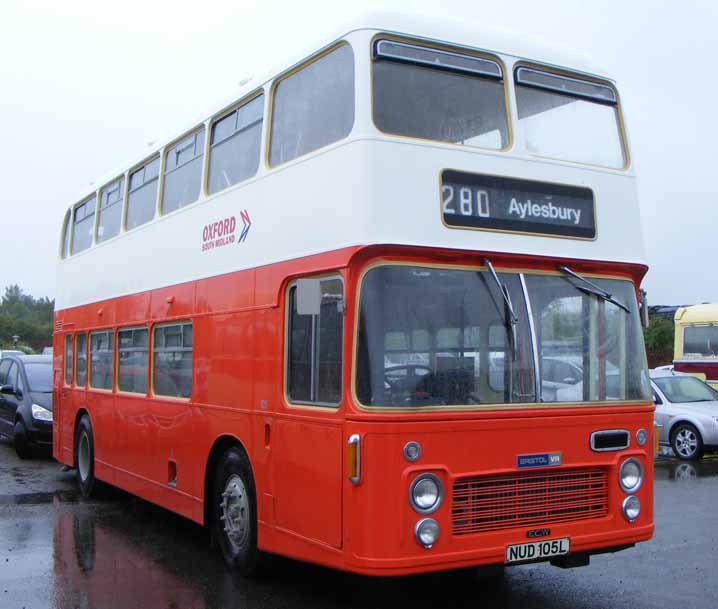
point(20, 442)
point(85, 457)
point(686, 442)
point(234, 522)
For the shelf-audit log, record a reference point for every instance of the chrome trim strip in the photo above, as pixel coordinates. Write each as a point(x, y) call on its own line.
point(356, 478)
point(534, 345)
point(612, 448)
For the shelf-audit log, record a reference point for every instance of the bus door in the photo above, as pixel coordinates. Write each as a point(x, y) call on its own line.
point(308, 445)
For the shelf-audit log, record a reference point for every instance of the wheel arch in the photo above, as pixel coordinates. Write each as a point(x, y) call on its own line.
point(81, 412)
point(688, 420)
point(219, 447)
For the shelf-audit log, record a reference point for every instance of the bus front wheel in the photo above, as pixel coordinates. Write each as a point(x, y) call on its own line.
point(235, 514)
point(85, 457)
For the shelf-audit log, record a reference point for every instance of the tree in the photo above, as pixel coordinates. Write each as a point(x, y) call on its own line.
point(26, 317)
point(659, 341)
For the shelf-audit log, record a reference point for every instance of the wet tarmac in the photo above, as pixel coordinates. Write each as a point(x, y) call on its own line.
point(58, 552)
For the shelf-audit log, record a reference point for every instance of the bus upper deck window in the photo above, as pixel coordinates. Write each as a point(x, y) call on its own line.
point(235, 140)
point(439, 95)
point(142, 194)
point(183, 172)
point(568, 118)
point(111, 198)
point(83, 218)
point(314, 106)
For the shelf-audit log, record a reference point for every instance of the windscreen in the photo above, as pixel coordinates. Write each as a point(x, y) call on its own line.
point(442, 337)
point(438, 337)
point(39, 377)
point(682, 389)
point(589, 349)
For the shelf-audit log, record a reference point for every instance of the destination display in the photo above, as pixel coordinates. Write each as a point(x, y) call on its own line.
point(497, 203)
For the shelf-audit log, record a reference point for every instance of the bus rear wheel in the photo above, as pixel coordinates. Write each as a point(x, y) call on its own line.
point(235, 513)
point(85, 457)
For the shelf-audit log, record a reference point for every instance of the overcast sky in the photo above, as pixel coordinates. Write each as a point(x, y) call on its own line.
point(85, 85)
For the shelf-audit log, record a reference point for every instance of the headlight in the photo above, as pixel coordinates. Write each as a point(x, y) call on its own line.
point(631, 507)
point(630, 476)
point(426, 532)
point(41, 414)
point(425, 494)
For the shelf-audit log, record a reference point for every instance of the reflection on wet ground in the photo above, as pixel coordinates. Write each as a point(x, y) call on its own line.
point(58, 551)
point(677, 470)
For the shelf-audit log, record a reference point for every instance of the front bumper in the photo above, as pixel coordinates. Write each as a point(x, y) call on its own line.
point(40, 433)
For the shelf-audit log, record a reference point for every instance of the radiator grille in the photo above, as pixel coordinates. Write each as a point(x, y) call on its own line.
point(520, 499)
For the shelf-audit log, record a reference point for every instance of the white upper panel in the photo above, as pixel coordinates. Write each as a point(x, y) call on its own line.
point(366, 189)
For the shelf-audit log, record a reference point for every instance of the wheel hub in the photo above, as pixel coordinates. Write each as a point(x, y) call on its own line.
point(234, 508)
point(83, 456)
point(686, 442)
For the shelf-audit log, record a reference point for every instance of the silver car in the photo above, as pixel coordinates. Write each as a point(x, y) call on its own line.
point(687, 413)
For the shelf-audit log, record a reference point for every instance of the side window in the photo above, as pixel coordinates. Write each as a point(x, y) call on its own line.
point(183, 172)
point(19, 384)
point(83, 220)
point(314, 106)
point(111, 197)
point(4, 369)
point(68, 359)
point(235, 141)
point(314, 353)
point(142, 194)
point(66, 235)
point(132, 360)
point(12, 375)
point(101, 359)
point(172, 360)
point(81, 359)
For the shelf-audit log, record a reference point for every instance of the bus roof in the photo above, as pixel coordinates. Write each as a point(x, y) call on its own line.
point(454, 31)
point(697, 314)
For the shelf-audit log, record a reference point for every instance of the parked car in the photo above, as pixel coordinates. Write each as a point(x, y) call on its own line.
point(687, 411)
point(4, 352)
point(26, 401)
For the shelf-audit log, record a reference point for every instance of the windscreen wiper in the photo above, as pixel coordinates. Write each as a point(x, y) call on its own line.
point(510, 319)
point(592, 288)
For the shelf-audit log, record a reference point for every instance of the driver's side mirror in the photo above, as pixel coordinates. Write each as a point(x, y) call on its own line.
point(643, 308)
point(7, 390)
point(309, 297)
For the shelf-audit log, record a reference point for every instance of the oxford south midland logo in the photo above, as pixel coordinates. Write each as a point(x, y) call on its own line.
point(224, 232)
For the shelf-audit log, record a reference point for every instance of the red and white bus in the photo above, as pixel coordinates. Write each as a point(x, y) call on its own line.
point(379, 312)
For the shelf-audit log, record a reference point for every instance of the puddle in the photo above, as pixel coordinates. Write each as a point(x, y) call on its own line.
point(40, 498)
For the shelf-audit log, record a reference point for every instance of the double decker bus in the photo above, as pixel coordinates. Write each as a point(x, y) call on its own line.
point(379, 312)
point(696, 342)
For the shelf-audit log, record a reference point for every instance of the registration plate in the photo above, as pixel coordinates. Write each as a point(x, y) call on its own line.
point(537, 550)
